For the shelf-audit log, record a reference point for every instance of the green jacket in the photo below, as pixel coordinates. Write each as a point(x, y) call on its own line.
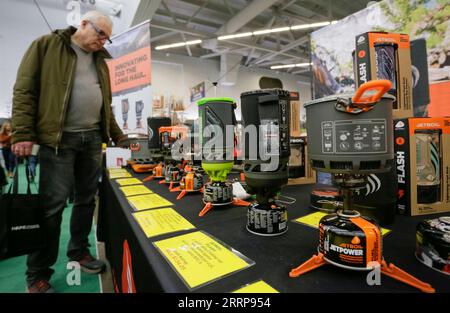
point(43, 86)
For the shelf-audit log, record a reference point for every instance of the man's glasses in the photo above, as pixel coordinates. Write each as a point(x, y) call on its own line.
point(101, 34)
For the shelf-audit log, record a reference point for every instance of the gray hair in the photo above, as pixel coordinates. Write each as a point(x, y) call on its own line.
point(94, 16)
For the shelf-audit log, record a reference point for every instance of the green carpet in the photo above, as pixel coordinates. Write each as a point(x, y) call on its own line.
point(12, 271)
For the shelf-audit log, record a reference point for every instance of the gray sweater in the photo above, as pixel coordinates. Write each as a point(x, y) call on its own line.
point(85, 104)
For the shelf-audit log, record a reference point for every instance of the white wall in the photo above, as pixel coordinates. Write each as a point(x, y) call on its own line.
point(21, 23)
point(176, 74)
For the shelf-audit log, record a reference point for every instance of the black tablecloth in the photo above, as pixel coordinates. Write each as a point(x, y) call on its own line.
point(274, 256)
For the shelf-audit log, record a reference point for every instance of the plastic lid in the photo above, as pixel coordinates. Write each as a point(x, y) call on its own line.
point(436, 230)
point(277, 91)
point(206, 100)
point(445, 219)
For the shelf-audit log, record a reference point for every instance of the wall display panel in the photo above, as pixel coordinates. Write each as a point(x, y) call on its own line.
point(332, 57)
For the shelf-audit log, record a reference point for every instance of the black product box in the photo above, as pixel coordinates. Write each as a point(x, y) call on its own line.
point(422, 148)
point(381, 55)
point(421, 86)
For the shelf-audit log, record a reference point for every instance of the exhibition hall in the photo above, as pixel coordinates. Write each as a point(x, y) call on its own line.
point(225, 146)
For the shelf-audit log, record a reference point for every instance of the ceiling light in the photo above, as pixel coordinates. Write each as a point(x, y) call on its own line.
point(248, 34)
point(303, 64)
point(313, 25)
point(272, 30)
point(235, 36)
point(280, 29)
point(261, 32)
point(178, 44)
point(304, 26)
point(275, 67)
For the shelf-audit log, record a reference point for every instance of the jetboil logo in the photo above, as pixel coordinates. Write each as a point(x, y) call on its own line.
point(373, 184)
point(150, 133)
point(399, 125)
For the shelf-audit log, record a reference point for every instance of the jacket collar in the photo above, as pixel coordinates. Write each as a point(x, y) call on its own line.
point(65, 35)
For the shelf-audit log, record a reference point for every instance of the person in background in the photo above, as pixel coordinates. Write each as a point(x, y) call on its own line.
point(32, 164)
point(2, 160)
point(62, 101)
point(5, 143)
point(3, 180)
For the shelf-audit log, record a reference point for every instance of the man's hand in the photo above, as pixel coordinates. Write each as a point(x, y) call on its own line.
point(22, 149)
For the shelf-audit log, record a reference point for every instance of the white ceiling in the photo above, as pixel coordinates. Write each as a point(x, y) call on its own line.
point(183, 20)
point(22, 21)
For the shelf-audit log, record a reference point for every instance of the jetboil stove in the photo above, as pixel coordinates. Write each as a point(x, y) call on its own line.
point(192, 181)
point(352, 137)
point(158, 172)
point(216, 125)
point(267, 112)
point(173, 175)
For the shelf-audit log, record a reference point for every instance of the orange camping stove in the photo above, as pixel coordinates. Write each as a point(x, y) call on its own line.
point(351, 241)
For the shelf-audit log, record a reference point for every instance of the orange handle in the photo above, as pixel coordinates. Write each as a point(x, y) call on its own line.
point(135, 146)
point(371, 92)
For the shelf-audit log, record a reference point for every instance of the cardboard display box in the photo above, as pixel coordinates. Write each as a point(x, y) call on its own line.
point(299, 159)
point(381, 55)
point(421, 86)
point(422, 147)
point(294, 126)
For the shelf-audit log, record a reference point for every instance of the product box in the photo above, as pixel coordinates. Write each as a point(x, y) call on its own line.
point(421, 87)
point(381, 55)
point(299, 166)
point(422, 147)
point(294, 126)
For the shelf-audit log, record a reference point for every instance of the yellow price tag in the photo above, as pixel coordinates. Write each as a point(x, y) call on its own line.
point(150, 201)
point(313, 220)
point(117, 170)
point(198, 258)
point(128, 181)
point(119, 175)
point(257, 287)
point(135, 190)
point(161, 221)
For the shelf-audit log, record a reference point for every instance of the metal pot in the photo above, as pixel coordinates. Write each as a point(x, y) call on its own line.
point(352, 133)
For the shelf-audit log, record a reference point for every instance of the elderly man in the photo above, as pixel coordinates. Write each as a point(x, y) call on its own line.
point(62, 101)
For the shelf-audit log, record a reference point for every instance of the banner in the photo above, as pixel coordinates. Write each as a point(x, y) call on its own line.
point(130, 75)
point(130, 71)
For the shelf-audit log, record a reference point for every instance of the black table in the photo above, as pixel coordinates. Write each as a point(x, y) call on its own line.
point(274, 256)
